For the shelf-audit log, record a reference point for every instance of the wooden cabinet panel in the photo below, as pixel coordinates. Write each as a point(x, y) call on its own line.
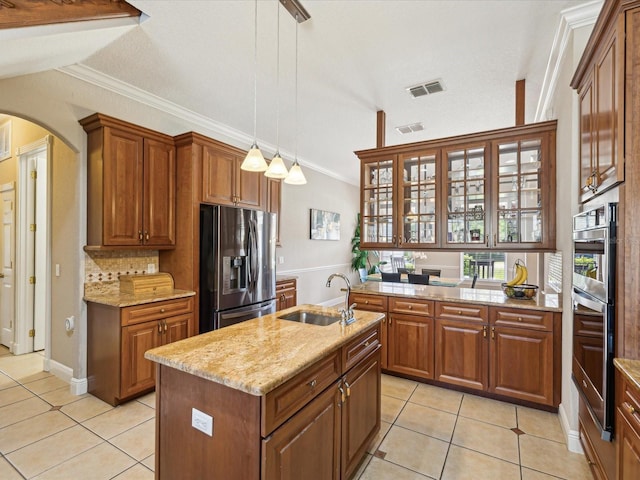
point(131, 185)
point(138, 373)
point(628, 451)
point(155, 310)
point(520, 318)
point(587, 145)
point(250, 188)
point(462, 353)
point(411, 306)
point(521, 364)
point(122, 202)
point(284, 401)
point(360, 411)
point(411, 345)
point(462, 311)
point(178, 328)
point(218, 176)
point(316, 428)
point(286, 294)
point(159, 224)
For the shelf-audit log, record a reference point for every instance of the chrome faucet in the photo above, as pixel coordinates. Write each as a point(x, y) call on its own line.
point(346, 312)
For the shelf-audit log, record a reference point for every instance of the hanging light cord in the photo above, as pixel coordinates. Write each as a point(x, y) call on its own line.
point(255, 74)
point(278, 82)
point(296, 103)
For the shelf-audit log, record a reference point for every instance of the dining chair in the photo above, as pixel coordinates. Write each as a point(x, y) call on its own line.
point(403, 270)
point(431, 271)
point(419, 279)
point(390, 277)
point(397, 262)
point(475, 279)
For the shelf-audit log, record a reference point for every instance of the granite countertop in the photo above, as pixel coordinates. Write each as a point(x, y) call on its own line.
point(117, 299)
point(259, 355)
point(630, 369)
point(546, 302)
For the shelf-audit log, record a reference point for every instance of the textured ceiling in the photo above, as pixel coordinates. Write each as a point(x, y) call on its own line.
point(355, 58)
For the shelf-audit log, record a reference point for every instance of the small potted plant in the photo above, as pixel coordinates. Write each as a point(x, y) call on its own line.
point(359, 257)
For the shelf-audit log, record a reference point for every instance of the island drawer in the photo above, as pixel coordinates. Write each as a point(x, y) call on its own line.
point(411, 306)
point(282, 285)
point(516, 317)
point(630, 404)
point(372, 303)
point(155, 311)
point(462, 311)
point(280, 404)
point(360, 347)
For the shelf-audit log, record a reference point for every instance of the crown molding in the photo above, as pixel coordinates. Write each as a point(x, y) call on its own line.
point(106, 82)
point(570, 19)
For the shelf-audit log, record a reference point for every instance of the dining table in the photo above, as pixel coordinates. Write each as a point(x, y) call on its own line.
point(433, 280)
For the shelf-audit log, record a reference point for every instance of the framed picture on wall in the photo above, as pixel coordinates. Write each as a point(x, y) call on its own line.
point(5, 140)
point(324, 225)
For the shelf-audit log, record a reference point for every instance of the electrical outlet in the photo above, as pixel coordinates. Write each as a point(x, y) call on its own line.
point(151, 268)
point(280, 260)
point(57, 269)
point(201, 421)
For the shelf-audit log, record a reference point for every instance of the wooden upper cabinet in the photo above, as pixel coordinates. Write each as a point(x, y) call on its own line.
point(225, 183)
point(131, 191)
point(489, 190)
point(600, 82)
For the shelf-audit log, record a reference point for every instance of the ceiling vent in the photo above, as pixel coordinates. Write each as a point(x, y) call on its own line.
point(427, 88)
point(414, 127)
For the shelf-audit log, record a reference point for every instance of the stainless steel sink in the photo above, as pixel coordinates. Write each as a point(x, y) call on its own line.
point(311, 317)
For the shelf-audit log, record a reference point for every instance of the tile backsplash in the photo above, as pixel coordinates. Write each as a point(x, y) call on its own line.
point(107, 266)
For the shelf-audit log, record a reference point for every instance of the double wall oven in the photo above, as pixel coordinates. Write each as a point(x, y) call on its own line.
point(593, 294)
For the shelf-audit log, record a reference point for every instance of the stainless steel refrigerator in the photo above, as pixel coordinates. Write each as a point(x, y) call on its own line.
point(237, 265)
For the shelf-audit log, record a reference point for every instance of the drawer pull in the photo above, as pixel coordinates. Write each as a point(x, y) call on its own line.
point(313, 383)
point(410, 307)
point(630, 409)
point(519, 319)
point(366, 344)
point(584, 384)
point(459, 312)
point(162, 310)
point(366, 302)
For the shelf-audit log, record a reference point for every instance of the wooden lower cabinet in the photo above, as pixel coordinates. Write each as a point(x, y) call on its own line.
point(317, 425)
point(628, 429)
point(286, 293)
point(118, 337)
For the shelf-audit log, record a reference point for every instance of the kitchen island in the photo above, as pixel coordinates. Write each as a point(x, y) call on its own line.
point(269, 398)
point(474, 340)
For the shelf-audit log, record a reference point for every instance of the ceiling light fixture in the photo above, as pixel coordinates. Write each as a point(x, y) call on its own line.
point(296, 177)
point(254, 161)
point(277, 168)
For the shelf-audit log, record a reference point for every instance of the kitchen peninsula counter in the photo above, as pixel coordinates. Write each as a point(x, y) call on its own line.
point(259, 355)
point(477, 296)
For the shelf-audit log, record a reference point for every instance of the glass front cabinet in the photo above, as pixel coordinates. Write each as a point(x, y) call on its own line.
point(493, 190)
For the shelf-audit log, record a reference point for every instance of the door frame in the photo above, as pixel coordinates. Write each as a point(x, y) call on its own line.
point(10, 188)
point(41, 295)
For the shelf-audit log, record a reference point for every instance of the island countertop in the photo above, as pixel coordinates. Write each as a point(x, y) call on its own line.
point(546, 302)
point(259, 355)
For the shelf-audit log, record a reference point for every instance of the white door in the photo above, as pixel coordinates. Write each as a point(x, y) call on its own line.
point(7, 250)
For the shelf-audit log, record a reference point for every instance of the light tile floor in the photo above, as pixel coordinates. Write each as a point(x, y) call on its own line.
point(427, 433)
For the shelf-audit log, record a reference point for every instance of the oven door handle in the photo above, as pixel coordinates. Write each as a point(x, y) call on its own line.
point(583, 299)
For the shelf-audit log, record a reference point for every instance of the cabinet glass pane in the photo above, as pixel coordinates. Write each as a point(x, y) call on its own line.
point(519, 191)
point(466, 196)
point(377, 206)
point(418, 194)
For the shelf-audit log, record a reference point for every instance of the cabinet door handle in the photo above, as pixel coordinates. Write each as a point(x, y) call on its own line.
point(165, 326)
point(493, 332)
point(348, 388)
point(389, 321)
point(486, 240)
point(159, 328)
point(495, 239)
point(146, 235)
point(393, 240)
point(140, 235)
point(343, 397)
point(313, 383)
point(484, 332)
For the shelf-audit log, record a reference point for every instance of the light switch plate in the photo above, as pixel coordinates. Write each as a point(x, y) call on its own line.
point(201, 421)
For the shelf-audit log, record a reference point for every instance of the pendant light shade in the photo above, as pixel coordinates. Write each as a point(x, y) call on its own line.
point(295, 177)
point(254, 161)
point(277, 168)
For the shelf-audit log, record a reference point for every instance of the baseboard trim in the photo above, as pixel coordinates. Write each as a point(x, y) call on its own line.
point(572, 436)
point(79, 386)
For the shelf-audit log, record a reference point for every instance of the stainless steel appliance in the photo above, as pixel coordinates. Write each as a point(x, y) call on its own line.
point(594, 260)
point(237, 265)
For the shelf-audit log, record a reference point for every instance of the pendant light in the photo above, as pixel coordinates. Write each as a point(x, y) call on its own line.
point(296, 177)
point(254, 161)
point(277, 168)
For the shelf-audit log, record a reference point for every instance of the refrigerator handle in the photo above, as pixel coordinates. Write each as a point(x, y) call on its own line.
point(253, 251)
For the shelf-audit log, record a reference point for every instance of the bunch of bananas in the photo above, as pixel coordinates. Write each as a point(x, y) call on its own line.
point(520, 274)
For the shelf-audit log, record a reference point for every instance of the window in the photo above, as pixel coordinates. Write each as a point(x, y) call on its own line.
point(488, 265)
point(5, 140)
